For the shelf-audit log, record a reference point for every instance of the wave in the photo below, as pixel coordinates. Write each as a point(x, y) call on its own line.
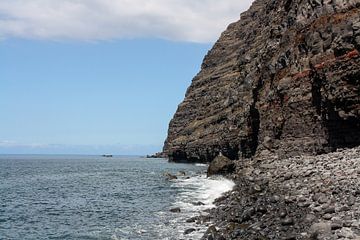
point(201, 164)
point(197, 194)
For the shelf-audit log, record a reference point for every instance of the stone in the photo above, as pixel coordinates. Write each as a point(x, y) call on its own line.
point(212, 234)
point(330, 209)
point(220, 165)
point(320, 229)
point(287, 221)
point(290, 237)
point(175, 210)
point(282, 213)
point(189, 230)
point(256, 188)
point(327, 216)
point(275, 199)
point(344, 209)
point(346, 233)
point(336, 225)
point(169, 176)
point(198, 203)
point(192, 219)
point(323, 199)
point(261, 209)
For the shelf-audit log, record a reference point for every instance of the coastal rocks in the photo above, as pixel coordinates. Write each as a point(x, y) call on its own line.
point(157, 155)
point(220, 165)
point(282, 80)
point(212, 234)
point(267, 203)
point(169, 176)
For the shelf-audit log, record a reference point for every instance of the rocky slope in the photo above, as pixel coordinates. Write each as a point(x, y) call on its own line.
point(284, 79)
point(304, 197)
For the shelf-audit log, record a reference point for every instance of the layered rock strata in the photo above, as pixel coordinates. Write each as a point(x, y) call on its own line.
point(284, 79)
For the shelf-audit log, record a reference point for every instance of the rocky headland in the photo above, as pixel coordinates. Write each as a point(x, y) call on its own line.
point(276, 106)
point(283, 79)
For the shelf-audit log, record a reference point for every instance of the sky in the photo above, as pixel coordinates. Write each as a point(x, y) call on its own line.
point(100, 76)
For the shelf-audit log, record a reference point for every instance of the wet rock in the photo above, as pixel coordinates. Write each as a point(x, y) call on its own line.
point(182, 173)
point(189, 230)
point(192, 219)
point(198, 203)
point(169, 176)
point(175, 210)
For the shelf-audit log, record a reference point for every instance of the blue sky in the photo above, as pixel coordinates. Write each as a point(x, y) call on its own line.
point(66, 89)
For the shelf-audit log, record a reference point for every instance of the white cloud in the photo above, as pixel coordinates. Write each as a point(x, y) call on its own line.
point(92, 20)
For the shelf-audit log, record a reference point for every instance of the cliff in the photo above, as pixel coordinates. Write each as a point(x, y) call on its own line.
point(284, 79)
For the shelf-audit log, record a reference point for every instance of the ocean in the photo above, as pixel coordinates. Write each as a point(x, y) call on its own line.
point(92, 197)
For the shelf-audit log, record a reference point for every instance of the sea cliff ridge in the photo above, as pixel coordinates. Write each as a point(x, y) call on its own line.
point(284, 79)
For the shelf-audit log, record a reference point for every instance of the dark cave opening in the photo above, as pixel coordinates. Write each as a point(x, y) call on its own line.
point(342, 132)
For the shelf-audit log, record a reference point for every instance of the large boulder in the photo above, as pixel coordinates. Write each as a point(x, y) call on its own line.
point(220, 165)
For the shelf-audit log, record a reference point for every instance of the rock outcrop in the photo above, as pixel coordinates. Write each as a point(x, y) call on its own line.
point(284, 79)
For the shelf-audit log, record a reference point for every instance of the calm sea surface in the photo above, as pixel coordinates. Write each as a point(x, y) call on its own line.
point(91, 197)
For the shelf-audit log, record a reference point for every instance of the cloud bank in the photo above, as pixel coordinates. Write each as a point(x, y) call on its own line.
point(94, 20)
point(13, 147)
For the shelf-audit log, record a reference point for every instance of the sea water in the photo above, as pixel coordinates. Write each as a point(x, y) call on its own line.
point(91, 197)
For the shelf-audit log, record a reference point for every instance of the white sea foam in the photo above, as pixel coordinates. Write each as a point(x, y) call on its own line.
point(197, 194)
point(201, 164)
point(202, 189)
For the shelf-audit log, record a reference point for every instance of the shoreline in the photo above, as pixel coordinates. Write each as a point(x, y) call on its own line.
point(195, 200)
point(304, 197)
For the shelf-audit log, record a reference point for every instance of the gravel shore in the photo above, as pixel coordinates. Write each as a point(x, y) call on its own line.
point(306, 197)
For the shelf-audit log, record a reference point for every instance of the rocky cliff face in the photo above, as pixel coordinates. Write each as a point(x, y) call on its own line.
point(285, 78)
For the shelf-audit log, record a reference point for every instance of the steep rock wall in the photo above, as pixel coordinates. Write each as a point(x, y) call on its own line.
point(285, 78)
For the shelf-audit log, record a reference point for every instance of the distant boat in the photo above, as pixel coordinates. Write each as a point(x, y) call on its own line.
point(107, 155)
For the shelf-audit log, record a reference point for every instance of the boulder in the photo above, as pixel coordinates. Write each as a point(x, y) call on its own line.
point(212, 234)
point(221, 165)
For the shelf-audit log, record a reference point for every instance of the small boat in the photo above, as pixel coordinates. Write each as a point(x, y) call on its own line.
point(107, 155)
